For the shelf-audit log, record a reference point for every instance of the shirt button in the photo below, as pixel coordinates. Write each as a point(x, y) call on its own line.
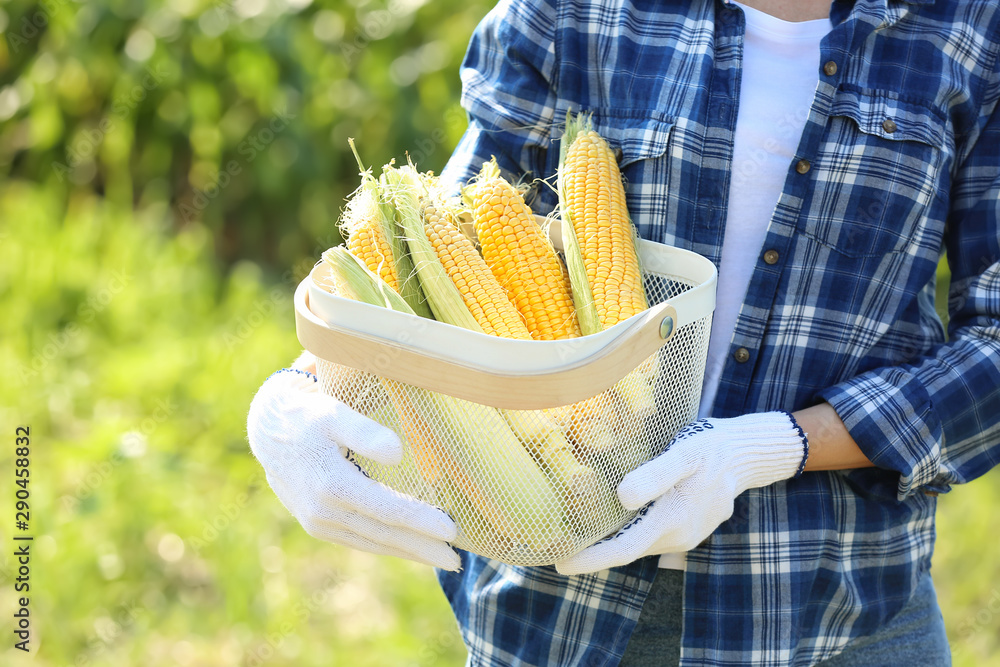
point(830, 68)
point(889, 126)
point(803, 166)
point(771, 256)
point(742, 355)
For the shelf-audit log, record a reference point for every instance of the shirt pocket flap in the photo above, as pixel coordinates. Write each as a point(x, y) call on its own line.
point(885, 114)
point(633, 136)
point(875, 172)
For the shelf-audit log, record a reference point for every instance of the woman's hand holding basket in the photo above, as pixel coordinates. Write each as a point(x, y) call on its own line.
point(689, 489)
point(302, 438)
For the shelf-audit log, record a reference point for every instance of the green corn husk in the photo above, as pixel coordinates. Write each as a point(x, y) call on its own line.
point(353, 280)
point(635, 389)
point(372, 190)
point(476, 440)
point(405, 188)
point(585, 490)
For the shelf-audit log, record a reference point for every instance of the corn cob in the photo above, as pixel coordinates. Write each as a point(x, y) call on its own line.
point(348, 282)
point(488, 451)
point(417, 433)
point(476, 437)
point(446, 478)
point(443, 297)
point(454, 251)
point(523, 260)
point(600, 245)
point(473, 528)
point(626, 427)
point(353, 280)
point(541, 436)
point(595, 422)
point(526, 265)
point(592, 199)
point(367, 238)
point(481, 293)
point(546, 439)
point(521, 257)
point(370, 229)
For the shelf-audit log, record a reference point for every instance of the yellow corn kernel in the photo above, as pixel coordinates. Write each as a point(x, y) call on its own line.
point(368, 243)
point(480, 291)
point(522, 258)
point(594, 201)
point(600, 248)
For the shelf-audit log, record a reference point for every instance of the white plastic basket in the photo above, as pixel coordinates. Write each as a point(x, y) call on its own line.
point(587, 410)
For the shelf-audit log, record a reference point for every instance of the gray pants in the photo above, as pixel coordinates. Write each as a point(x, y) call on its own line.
point(915, 637)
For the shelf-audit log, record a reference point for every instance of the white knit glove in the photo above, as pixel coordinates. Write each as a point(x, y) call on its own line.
point(693, 483)
point(301, 437)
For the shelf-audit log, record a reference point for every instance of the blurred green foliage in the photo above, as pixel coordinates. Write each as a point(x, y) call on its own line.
point(133, 359)
point(170, 171)
point(234, 114)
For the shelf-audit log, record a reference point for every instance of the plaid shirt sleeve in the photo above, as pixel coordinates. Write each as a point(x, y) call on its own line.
point(935, 421)
point(508, 91)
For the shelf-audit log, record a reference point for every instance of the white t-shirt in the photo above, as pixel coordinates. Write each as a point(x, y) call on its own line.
point(779, 77)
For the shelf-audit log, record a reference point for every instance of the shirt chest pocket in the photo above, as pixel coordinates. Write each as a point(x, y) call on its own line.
point(875, 173)
point(640, 140)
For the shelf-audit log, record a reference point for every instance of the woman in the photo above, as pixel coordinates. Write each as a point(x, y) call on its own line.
point(823, 156)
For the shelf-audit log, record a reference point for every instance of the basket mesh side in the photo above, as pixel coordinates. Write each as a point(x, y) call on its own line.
point(530, 487)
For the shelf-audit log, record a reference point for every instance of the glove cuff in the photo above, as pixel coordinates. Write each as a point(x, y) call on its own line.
point(805, 444)
point(294, 370)
point(279, 401)
point(772, 447)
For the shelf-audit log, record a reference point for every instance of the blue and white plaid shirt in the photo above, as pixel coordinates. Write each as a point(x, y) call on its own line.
point(899, 159)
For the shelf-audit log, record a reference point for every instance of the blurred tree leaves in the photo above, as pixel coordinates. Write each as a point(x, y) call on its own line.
point(231, 114)
point(168, 171)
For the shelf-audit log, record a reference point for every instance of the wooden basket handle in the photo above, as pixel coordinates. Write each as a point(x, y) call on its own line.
point(563, 384)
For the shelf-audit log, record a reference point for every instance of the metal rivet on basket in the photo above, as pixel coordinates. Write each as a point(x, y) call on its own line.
point(666, 327)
